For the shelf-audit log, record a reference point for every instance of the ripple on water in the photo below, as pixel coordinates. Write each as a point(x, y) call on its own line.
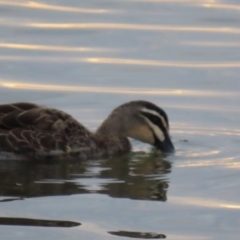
point(208, 147)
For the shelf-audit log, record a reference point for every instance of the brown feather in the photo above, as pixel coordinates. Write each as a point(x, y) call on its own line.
point(10, 121)
point(25, 106)
point(36, 119)
point(7, 108)
point(4, 144)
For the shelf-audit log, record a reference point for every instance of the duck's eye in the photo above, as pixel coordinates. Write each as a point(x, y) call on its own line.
point(156, 119)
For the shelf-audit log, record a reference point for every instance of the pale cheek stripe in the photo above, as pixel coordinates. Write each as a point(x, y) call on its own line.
point(156, 114)
point(158, 132)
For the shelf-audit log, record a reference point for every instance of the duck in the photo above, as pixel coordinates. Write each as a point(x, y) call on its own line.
point(31, 131)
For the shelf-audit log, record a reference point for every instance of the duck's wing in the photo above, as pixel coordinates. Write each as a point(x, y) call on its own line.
point(33, 143)
point(8, 113)
point(7, 108)
point(30, 129)
point(30, 116)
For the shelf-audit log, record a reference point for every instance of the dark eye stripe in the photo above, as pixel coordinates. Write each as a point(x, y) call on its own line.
point(155, 120)
point(158, 110)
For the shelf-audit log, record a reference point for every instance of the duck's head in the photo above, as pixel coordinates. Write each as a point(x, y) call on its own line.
point(140, 120)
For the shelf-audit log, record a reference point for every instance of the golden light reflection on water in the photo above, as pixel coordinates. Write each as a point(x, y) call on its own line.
point(140, 62)
point(121, 26)
point(110, 90)
point(202, 154)
point(228, 162)
point(124, 61)
point(35, 5)
point(51, 48)
point(231, 206)
point(222, 6)
point(202, 202)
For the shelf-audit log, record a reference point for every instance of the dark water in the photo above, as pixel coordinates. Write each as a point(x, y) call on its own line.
point(87, 57)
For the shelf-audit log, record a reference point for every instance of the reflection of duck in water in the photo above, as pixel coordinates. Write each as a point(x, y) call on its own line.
point(143, 176)
point(134, 176)
point(29, 130)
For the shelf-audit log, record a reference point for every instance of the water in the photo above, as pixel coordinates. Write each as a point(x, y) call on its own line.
point(87, 57)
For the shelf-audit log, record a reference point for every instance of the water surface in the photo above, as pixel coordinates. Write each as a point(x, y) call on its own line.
point(87, 57)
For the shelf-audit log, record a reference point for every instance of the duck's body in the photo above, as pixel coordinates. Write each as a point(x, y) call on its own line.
point(28, 130)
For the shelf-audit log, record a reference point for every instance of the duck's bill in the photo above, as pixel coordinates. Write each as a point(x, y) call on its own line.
point(165, 146)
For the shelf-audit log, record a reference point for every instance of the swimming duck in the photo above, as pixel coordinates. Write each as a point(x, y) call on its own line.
point(32, 131)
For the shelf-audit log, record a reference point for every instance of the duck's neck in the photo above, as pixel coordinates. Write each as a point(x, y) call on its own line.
point(108, 145)
point(111, 138)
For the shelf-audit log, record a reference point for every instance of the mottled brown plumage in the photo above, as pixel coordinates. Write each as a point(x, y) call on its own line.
point(31, 131)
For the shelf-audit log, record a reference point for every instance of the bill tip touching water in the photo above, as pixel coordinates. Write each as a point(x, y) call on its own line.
point(29, 131)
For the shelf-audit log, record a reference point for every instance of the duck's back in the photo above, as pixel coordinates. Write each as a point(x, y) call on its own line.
point(27, 128)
